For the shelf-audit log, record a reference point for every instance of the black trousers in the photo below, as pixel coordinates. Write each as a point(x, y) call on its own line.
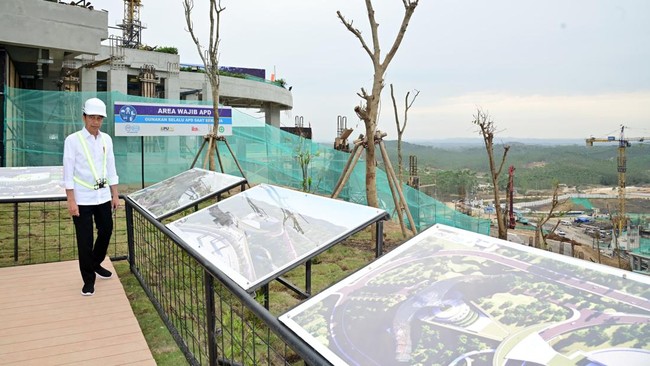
point(91, 255)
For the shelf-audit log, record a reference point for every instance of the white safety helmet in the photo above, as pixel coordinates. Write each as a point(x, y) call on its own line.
point(95, 107)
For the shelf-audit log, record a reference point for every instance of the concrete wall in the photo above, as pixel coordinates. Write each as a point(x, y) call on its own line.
point(267, 93)
point(39, 29)
point(248, 92)
point(50, 25)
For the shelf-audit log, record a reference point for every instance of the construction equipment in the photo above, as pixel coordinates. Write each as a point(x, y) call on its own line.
point(414, 179)
point(131, 25)
point(620, 220)
point(343, 132)
point(511, 197)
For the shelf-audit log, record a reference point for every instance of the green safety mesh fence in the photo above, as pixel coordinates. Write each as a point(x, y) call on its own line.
point(37, 122)
point(584, 202)
point(644, 247)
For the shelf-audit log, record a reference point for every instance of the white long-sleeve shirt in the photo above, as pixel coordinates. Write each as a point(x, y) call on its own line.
point(75, 164)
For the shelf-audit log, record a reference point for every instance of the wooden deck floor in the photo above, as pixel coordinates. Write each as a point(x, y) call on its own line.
point(44, 320)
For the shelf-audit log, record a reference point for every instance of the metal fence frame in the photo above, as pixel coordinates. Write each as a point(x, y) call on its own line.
point(42, 231)
point(213, 320)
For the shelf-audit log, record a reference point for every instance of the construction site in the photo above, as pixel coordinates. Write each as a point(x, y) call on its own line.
point(609, 225)
point(45, 86)
point(222, 234)
point(85, 65)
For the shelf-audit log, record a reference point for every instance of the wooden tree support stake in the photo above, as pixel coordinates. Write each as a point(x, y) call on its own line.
point(394, 184)
point(211, 140)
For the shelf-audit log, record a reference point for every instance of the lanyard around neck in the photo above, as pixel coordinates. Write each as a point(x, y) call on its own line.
point(84, 145)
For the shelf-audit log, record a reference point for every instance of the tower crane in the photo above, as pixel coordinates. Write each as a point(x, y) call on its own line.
point(131, 25)
point(623, 143)
point(511, 198)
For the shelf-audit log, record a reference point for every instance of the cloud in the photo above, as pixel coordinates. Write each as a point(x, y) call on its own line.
point(552, 68)
point(533, 116)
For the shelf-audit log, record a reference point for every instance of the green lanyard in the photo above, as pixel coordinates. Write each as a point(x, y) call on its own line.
point(91, 163)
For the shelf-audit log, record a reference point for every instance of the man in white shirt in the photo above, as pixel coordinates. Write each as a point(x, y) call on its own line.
point(91, 182)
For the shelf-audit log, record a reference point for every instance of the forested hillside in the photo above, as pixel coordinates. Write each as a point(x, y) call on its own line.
point(537, 166)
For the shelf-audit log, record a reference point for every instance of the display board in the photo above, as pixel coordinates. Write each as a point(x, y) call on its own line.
point(156, 119)
point(182, 191)
point(27, 183)
point(257, 235)
point(452, 297)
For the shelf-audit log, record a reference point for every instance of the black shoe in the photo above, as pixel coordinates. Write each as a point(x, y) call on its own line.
point(103, 273)
point(88, 290)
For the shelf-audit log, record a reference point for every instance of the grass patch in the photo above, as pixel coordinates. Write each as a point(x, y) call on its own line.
point(45, 233)
point(162, 345)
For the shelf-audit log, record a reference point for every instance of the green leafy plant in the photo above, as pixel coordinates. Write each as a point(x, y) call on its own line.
point(304, 156)
point(170, 50)
point(280, 82)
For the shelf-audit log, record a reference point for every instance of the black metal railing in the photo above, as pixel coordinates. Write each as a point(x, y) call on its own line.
point(213, 320)
point(42, 231)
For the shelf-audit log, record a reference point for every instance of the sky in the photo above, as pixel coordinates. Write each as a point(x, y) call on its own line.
point(540, 69)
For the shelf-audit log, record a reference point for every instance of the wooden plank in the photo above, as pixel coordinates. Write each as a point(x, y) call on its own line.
point(58, 339)
point(124, 341)
point(127, 358)
point(44, 320)
point(38, 332)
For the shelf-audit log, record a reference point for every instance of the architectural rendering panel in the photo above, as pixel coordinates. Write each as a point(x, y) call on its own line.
point(183, 190)
point(257, 235)
point(451, 297)
point(31, 182)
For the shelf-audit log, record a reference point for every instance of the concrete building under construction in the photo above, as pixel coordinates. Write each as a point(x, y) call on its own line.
point(56, 45)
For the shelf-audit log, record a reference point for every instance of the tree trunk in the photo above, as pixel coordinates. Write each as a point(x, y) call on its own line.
point(210, 58)
point(401, 128)
point(371, 161)
point(399, 157)
point(368, 113)
point(487, 129)
point(215, 124)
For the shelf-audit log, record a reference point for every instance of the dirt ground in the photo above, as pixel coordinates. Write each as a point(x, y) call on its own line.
point(393, 238)
point(590, 254)
point(580, 250)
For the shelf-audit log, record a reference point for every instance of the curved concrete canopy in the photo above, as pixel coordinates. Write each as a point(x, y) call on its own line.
point(241, 93)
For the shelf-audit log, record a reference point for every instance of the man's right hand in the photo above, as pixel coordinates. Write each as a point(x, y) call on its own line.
point(73, 209)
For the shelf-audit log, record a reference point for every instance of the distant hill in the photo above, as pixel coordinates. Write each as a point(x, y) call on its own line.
point(537, 165)
point(464, 142)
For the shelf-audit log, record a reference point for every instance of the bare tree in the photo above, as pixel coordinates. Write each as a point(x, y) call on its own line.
point(401, 128)
point(210, 58)
point(539, 230)
point(368, 112)
point(487, 129)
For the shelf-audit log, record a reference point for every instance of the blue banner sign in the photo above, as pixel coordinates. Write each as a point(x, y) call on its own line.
point(148, 119)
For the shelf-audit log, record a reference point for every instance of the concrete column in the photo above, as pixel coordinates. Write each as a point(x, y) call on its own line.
point(172, 86)
point(88, 79)
point(272, 115)
point(172, 91)
point(117, 80)
point(207, 90)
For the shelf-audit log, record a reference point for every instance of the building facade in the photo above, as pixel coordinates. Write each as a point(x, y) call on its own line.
point(57, 46)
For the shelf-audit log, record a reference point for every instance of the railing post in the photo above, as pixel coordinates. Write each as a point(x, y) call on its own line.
point(16, 232)
point(129, 234)
point(210, 317)
point(308, 277)
point(379, 225)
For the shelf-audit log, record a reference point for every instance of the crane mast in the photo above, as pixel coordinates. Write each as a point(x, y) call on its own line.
point(131, 25)
point(511, 198)
point(621, 168)
point(623, 143)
